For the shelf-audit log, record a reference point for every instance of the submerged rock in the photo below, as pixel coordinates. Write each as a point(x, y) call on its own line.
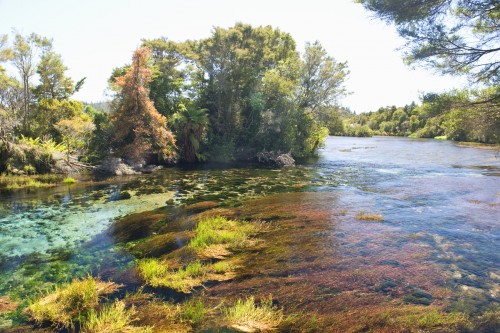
point(275, 159)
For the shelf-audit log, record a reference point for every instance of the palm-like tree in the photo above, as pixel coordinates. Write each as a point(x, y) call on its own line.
point(191, 123)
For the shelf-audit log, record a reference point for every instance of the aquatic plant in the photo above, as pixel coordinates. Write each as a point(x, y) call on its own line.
point(362, 216)
point(113, 318)
point(157, 274)
point(70, 301)
point(247, 316)
point(220, 230)
point(151, 270)
point(222, 267)
point(193, 311)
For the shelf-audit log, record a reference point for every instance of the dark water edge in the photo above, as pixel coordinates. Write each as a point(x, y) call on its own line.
point(437, 243)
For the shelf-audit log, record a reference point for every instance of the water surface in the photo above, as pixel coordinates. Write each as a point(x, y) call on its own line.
point(440, 231)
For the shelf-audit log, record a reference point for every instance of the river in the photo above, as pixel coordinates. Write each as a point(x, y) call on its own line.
point(438, 206)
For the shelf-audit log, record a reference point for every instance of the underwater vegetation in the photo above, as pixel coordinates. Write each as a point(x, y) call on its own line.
point(207, 255)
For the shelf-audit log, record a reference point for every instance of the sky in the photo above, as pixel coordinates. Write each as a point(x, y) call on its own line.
point(95, 36)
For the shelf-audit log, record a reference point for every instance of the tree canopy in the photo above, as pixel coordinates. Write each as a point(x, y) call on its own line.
point(453, 36)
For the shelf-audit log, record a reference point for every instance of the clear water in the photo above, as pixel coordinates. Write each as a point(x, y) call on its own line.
point(446, 196)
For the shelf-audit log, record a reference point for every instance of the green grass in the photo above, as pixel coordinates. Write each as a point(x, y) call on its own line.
point(113, 318)
point(12, 182)
point(70, 301)
point(156, 274)
point(152, 270)
point(442, 137)
point(69, 180)
point(247, 316)
point(222, 267)
point(193, 311)
point(220, 230)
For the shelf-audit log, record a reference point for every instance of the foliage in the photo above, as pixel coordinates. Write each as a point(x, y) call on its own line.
point(75, 132)
point(453, 36)
point(362, 216)
point(191, 124)
point(247, 316)
point(257, 93)
point(16, 157)
point(53, 82)
point(458, 115)
point(138, 127)
point(184, 279)
point(98, 145)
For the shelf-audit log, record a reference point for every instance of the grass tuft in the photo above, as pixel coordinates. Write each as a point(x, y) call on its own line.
point(157, 274)
point(362, 216)
point(69, 180)
point(113, 318)
point(69, 302)
point(218, 230)
point(247, 316)
point(193, 311)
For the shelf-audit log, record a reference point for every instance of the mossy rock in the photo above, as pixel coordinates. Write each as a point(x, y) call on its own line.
point(159, 245)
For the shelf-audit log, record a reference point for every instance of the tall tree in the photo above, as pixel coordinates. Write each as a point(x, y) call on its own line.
point(452, 36)
point(24, 59)
point(191, 123)
point(321, 78)
point(139, 128)
point(53, 81)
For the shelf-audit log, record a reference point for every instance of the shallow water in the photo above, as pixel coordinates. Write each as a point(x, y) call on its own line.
point(440, 205)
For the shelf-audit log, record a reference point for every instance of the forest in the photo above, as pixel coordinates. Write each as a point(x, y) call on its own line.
point(242, 91)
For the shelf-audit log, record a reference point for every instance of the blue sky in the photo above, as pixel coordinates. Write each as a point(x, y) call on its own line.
point(95, 36)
